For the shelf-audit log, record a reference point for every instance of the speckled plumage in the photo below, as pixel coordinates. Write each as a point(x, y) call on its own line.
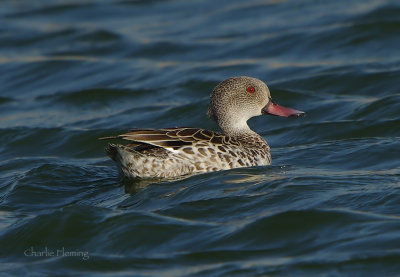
point(174, 152)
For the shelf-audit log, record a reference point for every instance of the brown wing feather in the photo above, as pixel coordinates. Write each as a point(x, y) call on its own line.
point(189, 132)
point(172, 137)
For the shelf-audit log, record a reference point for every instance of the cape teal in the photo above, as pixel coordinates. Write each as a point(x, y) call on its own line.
point(173, 152)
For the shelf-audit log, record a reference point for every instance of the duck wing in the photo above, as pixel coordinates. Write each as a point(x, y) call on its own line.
point(173, 138)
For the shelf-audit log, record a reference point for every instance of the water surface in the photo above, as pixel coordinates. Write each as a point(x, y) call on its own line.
point(73, 71)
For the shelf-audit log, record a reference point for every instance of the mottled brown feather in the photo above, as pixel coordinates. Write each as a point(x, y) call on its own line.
point(217, 140)
point(173, 137)
point(201, 136)
point(188, 132)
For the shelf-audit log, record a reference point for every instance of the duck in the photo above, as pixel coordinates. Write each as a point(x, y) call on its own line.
point(180, 151)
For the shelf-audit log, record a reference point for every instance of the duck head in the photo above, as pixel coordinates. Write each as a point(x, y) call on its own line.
point(236, 100)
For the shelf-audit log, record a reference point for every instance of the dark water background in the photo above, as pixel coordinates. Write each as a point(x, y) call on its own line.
point(73, 71)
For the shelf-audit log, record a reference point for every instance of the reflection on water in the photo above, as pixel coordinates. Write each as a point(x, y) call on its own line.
point(133, 186)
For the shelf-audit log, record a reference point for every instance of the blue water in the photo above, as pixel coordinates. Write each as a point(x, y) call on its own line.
point(74, 71)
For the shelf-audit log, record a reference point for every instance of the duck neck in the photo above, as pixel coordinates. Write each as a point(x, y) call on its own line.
point(235, 128)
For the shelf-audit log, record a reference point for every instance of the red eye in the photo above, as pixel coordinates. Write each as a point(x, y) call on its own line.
point(251, 89)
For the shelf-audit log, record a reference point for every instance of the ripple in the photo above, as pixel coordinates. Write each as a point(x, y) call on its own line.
point(35, 190)
point(94, 97)
point(334, 130)
point(384, 107)
point(161, 49)
point(100, 36)
point(37, 10)
point(346, 153)
point(4, 100)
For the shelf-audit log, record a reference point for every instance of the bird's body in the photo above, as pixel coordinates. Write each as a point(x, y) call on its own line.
point(173, 152)
point(179, 151)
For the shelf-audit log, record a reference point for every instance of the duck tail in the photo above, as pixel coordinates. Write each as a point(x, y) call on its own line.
point(125, 159)
point(111, 151)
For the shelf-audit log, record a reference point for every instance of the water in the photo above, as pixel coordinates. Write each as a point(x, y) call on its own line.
point(73, 71)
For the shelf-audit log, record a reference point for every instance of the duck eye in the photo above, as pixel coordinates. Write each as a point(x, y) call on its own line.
point(251, 89)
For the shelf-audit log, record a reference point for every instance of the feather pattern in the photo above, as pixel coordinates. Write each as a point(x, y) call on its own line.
point(172, 137)
point(172, 152)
